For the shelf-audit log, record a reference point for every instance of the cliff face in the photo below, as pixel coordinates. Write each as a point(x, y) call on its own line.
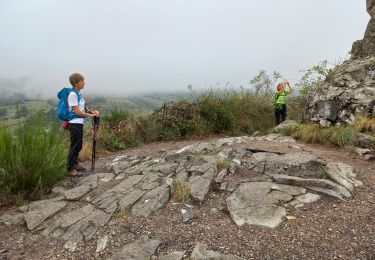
point(349, 90)
point(366, 47)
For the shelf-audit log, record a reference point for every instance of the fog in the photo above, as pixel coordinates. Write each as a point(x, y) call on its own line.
point(131, 47)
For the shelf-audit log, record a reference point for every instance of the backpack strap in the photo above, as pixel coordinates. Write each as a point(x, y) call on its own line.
point(78, 94)
point(78, 99)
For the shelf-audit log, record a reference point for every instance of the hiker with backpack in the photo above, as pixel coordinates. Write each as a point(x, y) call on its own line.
point(280, 101)
point(71, 109)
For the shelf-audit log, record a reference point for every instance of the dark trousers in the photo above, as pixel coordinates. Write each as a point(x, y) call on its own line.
point(280, 113)
point(76, 135)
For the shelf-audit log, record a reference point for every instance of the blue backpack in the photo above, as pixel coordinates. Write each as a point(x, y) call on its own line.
point(62, 110)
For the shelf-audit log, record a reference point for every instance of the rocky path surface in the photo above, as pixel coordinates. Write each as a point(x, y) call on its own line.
point(249, 198)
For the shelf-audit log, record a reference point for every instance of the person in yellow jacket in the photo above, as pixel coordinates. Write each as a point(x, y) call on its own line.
point(280, 101)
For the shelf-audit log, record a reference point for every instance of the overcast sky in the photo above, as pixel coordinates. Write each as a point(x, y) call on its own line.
point(141, 46)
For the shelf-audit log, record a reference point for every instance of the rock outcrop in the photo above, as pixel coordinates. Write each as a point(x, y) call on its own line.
point(258, 187)
point(349, 90)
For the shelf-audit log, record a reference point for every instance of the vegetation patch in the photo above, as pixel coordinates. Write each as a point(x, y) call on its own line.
point(32, 158)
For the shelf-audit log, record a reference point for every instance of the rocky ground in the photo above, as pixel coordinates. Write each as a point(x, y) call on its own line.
point(288, 201)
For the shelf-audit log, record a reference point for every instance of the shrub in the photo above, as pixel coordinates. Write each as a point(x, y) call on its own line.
point(216, 113)
point(116, 116)
point(147, 129)
point(32, 158)
point(180, 191)
point(118, 131)
point(179, 120)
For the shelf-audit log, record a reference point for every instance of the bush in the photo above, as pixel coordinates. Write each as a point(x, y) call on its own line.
point(116, 116)
point(179, 120)
point(31, 159)
point(118, 131)
point(219, 118)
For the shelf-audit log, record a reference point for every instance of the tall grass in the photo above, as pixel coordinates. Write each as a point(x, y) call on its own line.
point(339, 136)
point(32, 157)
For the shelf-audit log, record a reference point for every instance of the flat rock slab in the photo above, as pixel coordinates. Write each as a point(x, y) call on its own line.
point(106, 177)
point(151, 201)
point(114, 195)
point(175, 255)
point(141, 249)
point(200, 252)
point(76, 193)
point(304, 165)
point(231, 141)
point(256, 203)
point(12, 219)
point(200, 185)
point(91, 180)
point(301, 200)
point(77, 226)
point(342, 174)
point(181, 154)
point(129, 199)
point(320, 185)
point(39, 211)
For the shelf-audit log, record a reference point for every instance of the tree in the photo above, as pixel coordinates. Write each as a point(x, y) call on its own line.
point(313, 79)
point(264, 83)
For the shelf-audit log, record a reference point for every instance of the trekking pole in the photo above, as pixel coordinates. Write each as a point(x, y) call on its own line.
point(95, 124)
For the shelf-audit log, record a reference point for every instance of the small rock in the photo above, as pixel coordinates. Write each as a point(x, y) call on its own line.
point(236, 161)
point(169, 181)
point(58, 191)
point(120, 176)
point(223, 186)
point(365, 140)
point(200, 252)
point(175, 255)
point(214, 210)
point(106, 177)
point(362, 151)
point(231, 186)
point(221, 175)
point(369, 157)
point(101, 244)
point(308, 198)
point(256, 133)
point(186, 215)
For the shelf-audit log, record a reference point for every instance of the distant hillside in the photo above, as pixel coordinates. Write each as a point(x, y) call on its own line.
point(18, 106)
